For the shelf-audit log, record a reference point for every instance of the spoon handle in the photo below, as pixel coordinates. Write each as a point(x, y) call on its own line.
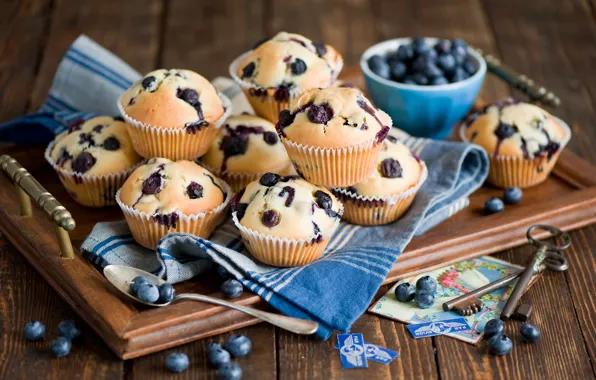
point(295, 325)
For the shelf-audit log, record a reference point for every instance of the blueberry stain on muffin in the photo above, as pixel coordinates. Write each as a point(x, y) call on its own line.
point(270, 218)
point(191, 97)
point(83, 162)
point(75, 125)
point(149, 83)
point(111, 143)
point(248, 70)
point(320, 114)
point(390, 168)
point(194, 190)
point(153, 184)
point(168, 220)
point(291, 192)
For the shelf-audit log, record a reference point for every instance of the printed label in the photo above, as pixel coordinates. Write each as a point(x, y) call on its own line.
point(379, 354)
point(352, 351)
point(423, 330)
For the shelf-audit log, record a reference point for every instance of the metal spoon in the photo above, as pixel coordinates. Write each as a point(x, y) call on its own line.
point(121, 277)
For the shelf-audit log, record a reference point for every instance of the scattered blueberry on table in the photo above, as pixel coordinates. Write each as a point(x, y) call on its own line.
point(223, 273)
point(426, 64)
point(493, 206)
point(68, 329)
point(530, 333)
point(426, 284)
point(136, 282)
point(229, 371)
point(34, 330)
point(148, 293)
point(493, 328)
point(61, 346)
point(238, 345)
point(405, 292)
point(166, 293)
point(424, 300)
point(177, 362)
point(217, 356)
point(500, 345)
point(231, 288)
point(512, 195)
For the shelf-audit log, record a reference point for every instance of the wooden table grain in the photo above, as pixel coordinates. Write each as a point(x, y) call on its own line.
point(552, 40)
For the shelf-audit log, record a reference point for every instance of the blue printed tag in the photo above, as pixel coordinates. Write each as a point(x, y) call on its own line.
point(351, 351)
point(423, 330)
point(379, 354)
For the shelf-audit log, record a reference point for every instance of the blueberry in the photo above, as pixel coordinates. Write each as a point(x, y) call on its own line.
point(426, 284)
point(83, 162)
point(286, 118)
point(379, 66)
point(500, 345)
point(443, 46)
point(320, 114)
point(505, 130)
point(152, 184)
point(234, 145)
point(420, 79)
point(446, 62)
point(68, 329)
point(194, 190)
point(189, 95)
point(420, 45)
point(270, 218)
point(231, 288)
point(439, 81)
point(512, 195)
point(494, 205)
point(530, 333)
point(166, 293)
point(420, 63)
point(469, 67)
point(238, 345)
point(241, 210)
point(34, 330)
point(60, 346)
point(269, 179)
point(390, 168)
point(424, 300)
point(459, 75)
point(432, 71)
point(134, 285)
point(409, 80)
point(148, 83)
point(229, 371)
point(148, 293)
point(111, 143)
point(493, 327)
point(217, 356)
point(398, 70)
point(298, 67)
point(460, 54)
point(405, 292)
point(405, 53)
point(248, 70)
point(323, 200)
point(320, 48)
point(177, 362)
point(430, 54)
point(270, 138)
point(459, 43)
point(223, 272)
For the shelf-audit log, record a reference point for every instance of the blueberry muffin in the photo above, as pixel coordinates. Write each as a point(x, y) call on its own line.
point(333, 136)
point(522, 140)
point(164, 196)
point(93, 159)
point(245, 148)
point(278, 69)
point(173, 114)
point(389, 191)
point(285, 221)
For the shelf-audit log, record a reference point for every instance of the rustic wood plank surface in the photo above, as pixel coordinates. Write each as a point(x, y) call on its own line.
point(551, 40)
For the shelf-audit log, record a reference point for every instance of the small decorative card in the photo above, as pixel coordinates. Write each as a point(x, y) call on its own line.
point(452, 282)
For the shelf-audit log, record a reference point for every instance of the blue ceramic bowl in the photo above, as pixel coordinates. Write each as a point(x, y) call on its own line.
point(424, 111)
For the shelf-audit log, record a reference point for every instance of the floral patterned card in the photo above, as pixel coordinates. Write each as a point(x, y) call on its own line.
point(454, 281)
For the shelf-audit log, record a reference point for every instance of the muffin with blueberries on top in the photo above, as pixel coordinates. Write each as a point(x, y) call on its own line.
point(284, 220)
point(93, 159)
point(333, 135)
point(277, 70)
point(522, 140)
point(389, 191)
point(245, 148)
point(164, 196)
point(173, 114)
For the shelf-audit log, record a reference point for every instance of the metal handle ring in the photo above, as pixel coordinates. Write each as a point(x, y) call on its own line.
point(556, 262)
point(555, 232)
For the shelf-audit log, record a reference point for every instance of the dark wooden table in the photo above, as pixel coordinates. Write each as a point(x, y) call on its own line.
point(553, 41)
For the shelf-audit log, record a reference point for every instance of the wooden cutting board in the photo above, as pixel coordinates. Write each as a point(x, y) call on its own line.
point(566, 200)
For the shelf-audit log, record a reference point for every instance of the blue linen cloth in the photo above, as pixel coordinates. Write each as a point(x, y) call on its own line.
point(334, 290)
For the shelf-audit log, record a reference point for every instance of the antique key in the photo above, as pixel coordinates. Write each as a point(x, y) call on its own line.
point(545, 251)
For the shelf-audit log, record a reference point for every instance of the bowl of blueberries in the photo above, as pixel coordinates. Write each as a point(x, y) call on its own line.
point(425, 84)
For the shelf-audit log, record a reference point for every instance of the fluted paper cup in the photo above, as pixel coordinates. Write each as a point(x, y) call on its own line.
point(285, 252)
point(173, 143)
point(375, 211)
point(147, 231)
point(510, 171)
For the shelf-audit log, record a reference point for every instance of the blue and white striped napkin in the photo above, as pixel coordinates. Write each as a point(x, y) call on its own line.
point(334, 290)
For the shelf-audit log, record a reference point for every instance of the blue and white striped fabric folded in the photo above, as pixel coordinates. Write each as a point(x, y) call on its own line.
point(334, 290)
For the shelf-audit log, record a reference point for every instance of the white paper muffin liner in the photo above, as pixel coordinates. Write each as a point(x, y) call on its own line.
point(374, 211)
point(334, 167)
point(239, 180)
point(172, 143)
point(266, 106)
point(285, 252)
point(510, 171)
point(147, 232)
point(92, 190)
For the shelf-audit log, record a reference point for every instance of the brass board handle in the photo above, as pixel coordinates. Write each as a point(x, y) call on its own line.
point(27, 188)
point(520, 81)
